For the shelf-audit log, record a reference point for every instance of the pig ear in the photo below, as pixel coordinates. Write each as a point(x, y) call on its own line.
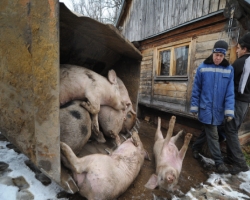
point(152, 182)
point(112, 76)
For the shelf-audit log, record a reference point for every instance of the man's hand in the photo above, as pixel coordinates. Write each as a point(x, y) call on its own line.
point(228, 119)
point(195, 114)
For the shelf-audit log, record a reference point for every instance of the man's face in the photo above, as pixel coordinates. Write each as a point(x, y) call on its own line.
point(217, 58)
point(240, 51)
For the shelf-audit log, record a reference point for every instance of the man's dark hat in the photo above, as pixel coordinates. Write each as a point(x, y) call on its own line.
point(246, 40)
point(220, 47)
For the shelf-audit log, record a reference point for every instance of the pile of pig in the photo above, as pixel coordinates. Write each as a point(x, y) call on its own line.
point(92, 110)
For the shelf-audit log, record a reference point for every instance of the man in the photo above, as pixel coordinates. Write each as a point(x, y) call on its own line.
point(213, 98)
point(242, 98)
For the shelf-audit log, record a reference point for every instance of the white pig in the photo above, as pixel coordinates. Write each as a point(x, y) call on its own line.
point(104, 177)
point(113, 121)
point(168, 158)
point(79, 83)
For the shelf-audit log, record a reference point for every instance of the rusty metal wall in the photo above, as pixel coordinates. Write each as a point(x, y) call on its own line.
point(29, 68)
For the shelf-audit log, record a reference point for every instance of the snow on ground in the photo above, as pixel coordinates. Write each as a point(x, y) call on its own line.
point(215, 183)
point(19, 168)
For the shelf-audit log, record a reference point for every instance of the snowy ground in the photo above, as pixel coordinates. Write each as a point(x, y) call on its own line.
point(19, 168)
point(215, 184)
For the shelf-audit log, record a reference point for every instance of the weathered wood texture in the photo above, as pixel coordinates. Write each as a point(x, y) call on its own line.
point(145, 18)
point(175, 95)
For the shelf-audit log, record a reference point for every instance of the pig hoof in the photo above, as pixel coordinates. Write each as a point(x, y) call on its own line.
point(188, 136)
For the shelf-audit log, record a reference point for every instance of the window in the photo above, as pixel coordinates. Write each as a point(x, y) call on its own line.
point(172, 62)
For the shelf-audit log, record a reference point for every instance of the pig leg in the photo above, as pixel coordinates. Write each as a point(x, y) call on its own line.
point(95, 124)
point(158, 133)
point(93, 108)
point(74, 162)
point(176, 137)
point(184, 148)
point(170, 131)
point(135, 138)
point(116, 137)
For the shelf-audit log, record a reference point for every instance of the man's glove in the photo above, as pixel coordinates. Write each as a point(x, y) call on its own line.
point(228, 119)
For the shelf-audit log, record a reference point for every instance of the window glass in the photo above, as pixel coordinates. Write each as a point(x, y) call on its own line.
point(165, 62)
point(181, 60)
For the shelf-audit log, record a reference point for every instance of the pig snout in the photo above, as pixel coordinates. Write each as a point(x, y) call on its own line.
point(170, 178)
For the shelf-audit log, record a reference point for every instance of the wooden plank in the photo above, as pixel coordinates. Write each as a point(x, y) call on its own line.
point(199, 8)
point(145, 68)
point(202, 54)
point(205, 54)
point(191, 73)
point(155, 69)
point(176, 16)
point(208, 37)
point(147, 52)
point(181, 11)
point(205, 8)
point(190, 9)
point(146, 75)
point(147, 58)
point(173, 16)
point(213, 6)
point(180, 101)
point(170, 13)
point(165, 16)
point(146, 62)
point(179, 87)
point(222, 4)
point(179, 42)
point(206, 45)
point(169, 105)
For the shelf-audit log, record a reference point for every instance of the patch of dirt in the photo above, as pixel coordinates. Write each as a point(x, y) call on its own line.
point(191, 176)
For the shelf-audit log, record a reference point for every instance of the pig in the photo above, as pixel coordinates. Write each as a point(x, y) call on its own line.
point(75, 125)
point(79, 83)
point(113, 121)
point(130, 118)
point(168, 158)
point(106, 177)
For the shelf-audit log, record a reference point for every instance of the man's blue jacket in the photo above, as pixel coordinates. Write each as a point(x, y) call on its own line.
point(213, 92)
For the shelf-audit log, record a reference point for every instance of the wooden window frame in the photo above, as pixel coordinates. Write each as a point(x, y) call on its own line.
point(170, 46)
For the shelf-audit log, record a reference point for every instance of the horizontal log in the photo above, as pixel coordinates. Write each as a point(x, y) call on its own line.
point(150, 57)
point(206, 45)
point(208, 37)
point(171, 93)
point(169, 105)
point(169, 99)
point(144, 69)
point(148, 52)
point(207, 53)
point(147, 62)
point(182, 87)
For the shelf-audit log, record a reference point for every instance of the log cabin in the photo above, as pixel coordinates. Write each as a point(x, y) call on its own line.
point(174, 38)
